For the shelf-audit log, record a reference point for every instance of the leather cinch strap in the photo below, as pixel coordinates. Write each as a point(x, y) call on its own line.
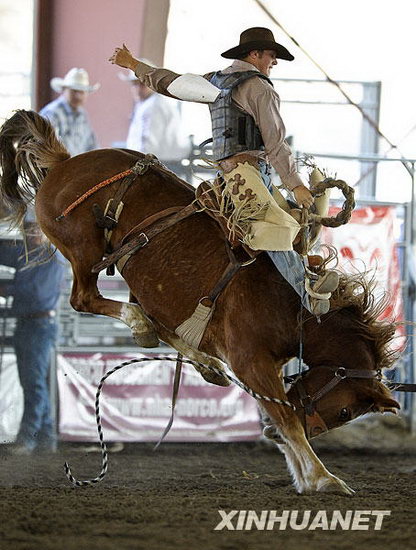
point(140, 240)
point(175, 391)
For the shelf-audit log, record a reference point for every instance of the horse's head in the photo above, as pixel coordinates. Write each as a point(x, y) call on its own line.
point(346, 354)
point(328, 397)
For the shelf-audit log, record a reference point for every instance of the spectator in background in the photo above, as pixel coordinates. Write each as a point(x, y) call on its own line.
point(67, 114)
point(35, 290)
point(155, 125)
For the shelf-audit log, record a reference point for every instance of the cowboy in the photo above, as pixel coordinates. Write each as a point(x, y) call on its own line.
point(248, 136)
point(67, 114)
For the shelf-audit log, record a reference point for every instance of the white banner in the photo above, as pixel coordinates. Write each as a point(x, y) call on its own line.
point(135, 404)
point(11, 398)
point(368, 243)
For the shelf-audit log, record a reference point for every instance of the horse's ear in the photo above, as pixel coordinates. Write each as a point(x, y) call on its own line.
point(382, 399)
point(384, 404)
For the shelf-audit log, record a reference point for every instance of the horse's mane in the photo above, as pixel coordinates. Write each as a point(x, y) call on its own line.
point(355, 297)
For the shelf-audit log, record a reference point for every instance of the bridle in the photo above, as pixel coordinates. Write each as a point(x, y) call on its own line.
point(314, 424)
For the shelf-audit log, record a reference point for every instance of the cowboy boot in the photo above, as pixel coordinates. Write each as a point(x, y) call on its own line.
point(320, 292)
point(326, 283)
point(319, 307)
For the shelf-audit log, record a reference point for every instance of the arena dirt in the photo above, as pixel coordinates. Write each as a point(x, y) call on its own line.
point(170, 498)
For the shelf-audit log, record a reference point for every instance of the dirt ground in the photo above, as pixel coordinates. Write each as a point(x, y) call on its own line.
point(170, 498)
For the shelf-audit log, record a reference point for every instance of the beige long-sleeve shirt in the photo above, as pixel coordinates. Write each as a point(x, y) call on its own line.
point(254, 96)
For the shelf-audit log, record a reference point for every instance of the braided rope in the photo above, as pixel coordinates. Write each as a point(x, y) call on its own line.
point(138, 168)
point(104, 454)
point(344, 214)
point(93, 190)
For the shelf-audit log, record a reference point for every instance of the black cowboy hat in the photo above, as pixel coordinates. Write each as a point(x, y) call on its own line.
point(257, 38)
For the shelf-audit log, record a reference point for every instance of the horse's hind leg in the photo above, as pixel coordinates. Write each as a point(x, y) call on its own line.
point(86, 297)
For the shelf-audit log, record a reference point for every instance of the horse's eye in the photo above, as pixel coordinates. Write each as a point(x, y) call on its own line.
point(345, 415)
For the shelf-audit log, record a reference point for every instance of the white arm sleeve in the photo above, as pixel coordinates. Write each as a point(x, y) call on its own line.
point(193, 87)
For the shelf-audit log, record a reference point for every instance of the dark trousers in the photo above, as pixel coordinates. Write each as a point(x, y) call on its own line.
point(33, 343)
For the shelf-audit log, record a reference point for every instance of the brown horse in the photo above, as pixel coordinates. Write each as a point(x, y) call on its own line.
point(255, 326)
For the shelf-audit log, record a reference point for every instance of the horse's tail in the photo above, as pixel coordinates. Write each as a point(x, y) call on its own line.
point(29, 148)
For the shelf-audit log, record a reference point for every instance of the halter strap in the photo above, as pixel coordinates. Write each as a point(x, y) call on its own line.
point(314, 423)
point(341, 373)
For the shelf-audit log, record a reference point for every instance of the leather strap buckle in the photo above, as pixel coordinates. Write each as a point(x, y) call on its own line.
point(146, 239)
point(341, 372)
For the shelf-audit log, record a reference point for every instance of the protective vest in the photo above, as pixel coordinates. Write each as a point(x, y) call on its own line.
point(233, 130)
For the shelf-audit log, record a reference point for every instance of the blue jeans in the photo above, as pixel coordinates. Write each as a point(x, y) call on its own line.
point(33, 342)
point(288, 263)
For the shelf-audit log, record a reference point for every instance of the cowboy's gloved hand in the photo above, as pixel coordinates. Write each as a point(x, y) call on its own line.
point(123, 58)
point(303, 196)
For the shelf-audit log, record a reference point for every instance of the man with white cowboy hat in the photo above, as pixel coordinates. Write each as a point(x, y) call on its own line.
point(155, 125)
point(248, 137)
point(67, 114)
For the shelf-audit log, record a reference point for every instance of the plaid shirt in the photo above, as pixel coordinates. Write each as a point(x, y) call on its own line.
point(72, 127)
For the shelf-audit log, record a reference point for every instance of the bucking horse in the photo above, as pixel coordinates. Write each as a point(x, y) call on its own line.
point(171, 267)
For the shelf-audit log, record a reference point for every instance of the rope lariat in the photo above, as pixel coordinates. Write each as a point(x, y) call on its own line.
point(104, 454)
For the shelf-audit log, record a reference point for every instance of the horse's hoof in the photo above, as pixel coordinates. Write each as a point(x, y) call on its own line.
point(213, 378)
point(270, 432)
point(334, 485)
point(146, 339)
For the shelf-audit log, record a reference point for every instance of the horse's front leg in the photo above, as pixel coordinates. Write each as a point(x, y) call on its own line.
point(308, 472)
point(313, 474)
point(293, 464)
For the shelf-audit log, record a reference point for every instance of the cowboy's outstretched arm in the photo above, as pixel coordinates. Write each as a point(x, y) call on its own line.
point(187, 87)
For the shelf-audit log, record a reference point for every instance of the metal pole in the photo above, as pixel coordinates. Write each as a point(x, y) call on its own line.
point(412, 206)
point(411, 299)
point(53, 391)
